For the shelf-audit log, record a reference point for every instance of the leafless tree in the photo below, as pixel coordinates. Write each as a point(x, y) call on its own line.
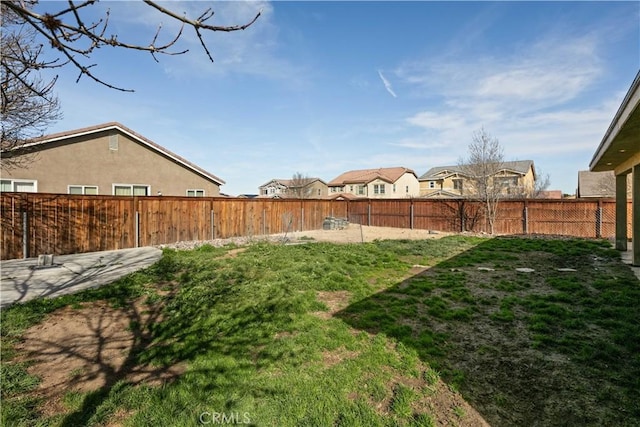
point(66, 31)
point(606, 185)
point(484, 162)
point(300, 186)
point(541, 184)
point(29, 104)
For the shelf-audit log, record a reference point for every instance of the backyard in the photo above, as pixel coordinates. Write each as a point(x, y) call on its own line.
point(454, 330)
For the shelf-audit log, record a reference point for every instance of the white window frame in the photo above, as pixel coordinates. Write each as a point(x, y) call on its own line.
point(84, 188)
point(394, 188)
point(195, 191)
point(26, 181)
point(432, 184)
point(379, 188)
point(113, 188)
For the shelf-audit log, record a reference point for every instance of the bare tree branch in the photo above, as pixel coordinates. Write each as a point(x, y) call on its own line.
point(66, 32)
point(29, 104)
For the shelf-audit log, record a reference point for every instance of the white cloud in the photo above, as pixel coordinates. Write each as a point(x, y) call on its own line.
point(387, 84)
point(438, 121)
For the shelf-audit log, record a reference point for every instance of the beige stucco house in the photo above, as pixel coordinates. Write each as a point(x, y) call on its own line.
point(304, 188)
point(382, 183)
point(518, 179)
point(619, 151)
point(107, 159)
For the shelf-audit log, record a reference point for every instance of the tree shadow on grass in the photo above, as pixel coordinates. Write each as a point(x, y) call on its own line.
point(140, 331)
point(538, 348)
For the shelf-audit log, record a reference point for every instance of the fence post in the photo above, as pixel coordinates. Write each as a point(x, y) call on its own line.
point(301, 216)
point(25, 234)
point(137, 235)
point(369, 213)
point(599, 220)
point(213, 227)
point(525, 218)
point(411, 215)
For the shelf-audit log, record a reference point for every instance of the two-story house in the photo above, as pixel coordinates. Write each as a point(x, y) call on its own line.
point(517, 178)
point(381, 183)
point(107, 159)
point(303, 188)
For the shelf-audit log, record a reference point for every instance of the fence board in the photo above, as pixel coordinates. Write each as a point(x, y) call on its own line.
point(62, 224)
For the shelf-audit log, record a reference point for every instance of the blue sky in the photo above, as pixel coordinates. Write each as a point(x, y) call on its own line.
point(325, 87)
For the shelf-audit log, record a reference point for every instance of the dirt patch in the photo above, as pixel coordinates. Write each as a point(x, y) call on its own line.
point(334, 300)
point(355, 233)
point(91, 348)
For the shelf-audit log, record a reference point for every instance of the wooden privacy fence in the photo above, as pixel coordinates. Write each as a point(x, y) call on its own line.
point(37, 223)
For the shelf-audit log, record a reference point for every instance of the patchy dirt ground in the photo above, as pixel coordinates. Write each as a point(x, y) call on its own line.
point(91, 348)
point(355, 233)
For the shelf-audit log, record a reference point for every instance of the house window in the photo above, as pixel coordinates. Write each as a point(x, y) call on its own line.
point(19, 185)
point(394, 188)
point(506, 181)
point(195, 193)
point(378, 188)
point(351, 189)
point(360, 189)
point(457, 184)
point(432, 184)
point(319, 192)
point(82, 189)
point(406, 189)
point(131, 190)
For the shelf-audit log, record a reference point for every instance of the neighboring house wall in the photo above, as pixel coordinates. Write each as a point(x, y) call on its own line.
point(317, 190)
point(99, 162)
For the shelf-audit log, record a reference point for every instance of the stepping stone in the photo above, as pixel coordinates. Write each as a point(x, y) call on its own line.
point(486, 269)
point(566, 269)
point(525, 270)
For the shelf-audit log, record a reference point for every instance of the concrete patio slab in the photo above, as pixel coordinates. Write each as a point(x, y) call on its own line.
point(627, 258)
point(23, 280)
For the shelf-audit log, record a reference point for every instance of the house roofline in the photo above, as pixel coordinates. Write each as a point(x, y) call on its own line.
point(136, 136)
point(609, 135)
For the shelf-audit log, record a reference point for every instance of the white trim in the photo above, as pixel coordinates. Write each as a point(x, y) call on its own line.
point(17, 180)
point(195, 190)
point(84, 187)
point(114, 185)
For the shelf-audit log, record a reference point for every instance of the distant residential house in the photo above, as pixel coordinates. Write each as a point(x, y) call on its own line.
point(516, 177)
point(550, 194)
point(597, 184)
point(381, 183)
point(107, 159)
point(304, 188)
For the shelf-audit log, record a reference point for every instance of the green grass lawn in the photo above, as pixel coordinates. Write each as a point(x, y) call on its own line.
point(324, 334)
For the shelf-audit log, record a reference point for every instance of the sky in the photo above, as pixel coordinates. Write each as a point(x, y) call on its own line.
point(320, 88)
